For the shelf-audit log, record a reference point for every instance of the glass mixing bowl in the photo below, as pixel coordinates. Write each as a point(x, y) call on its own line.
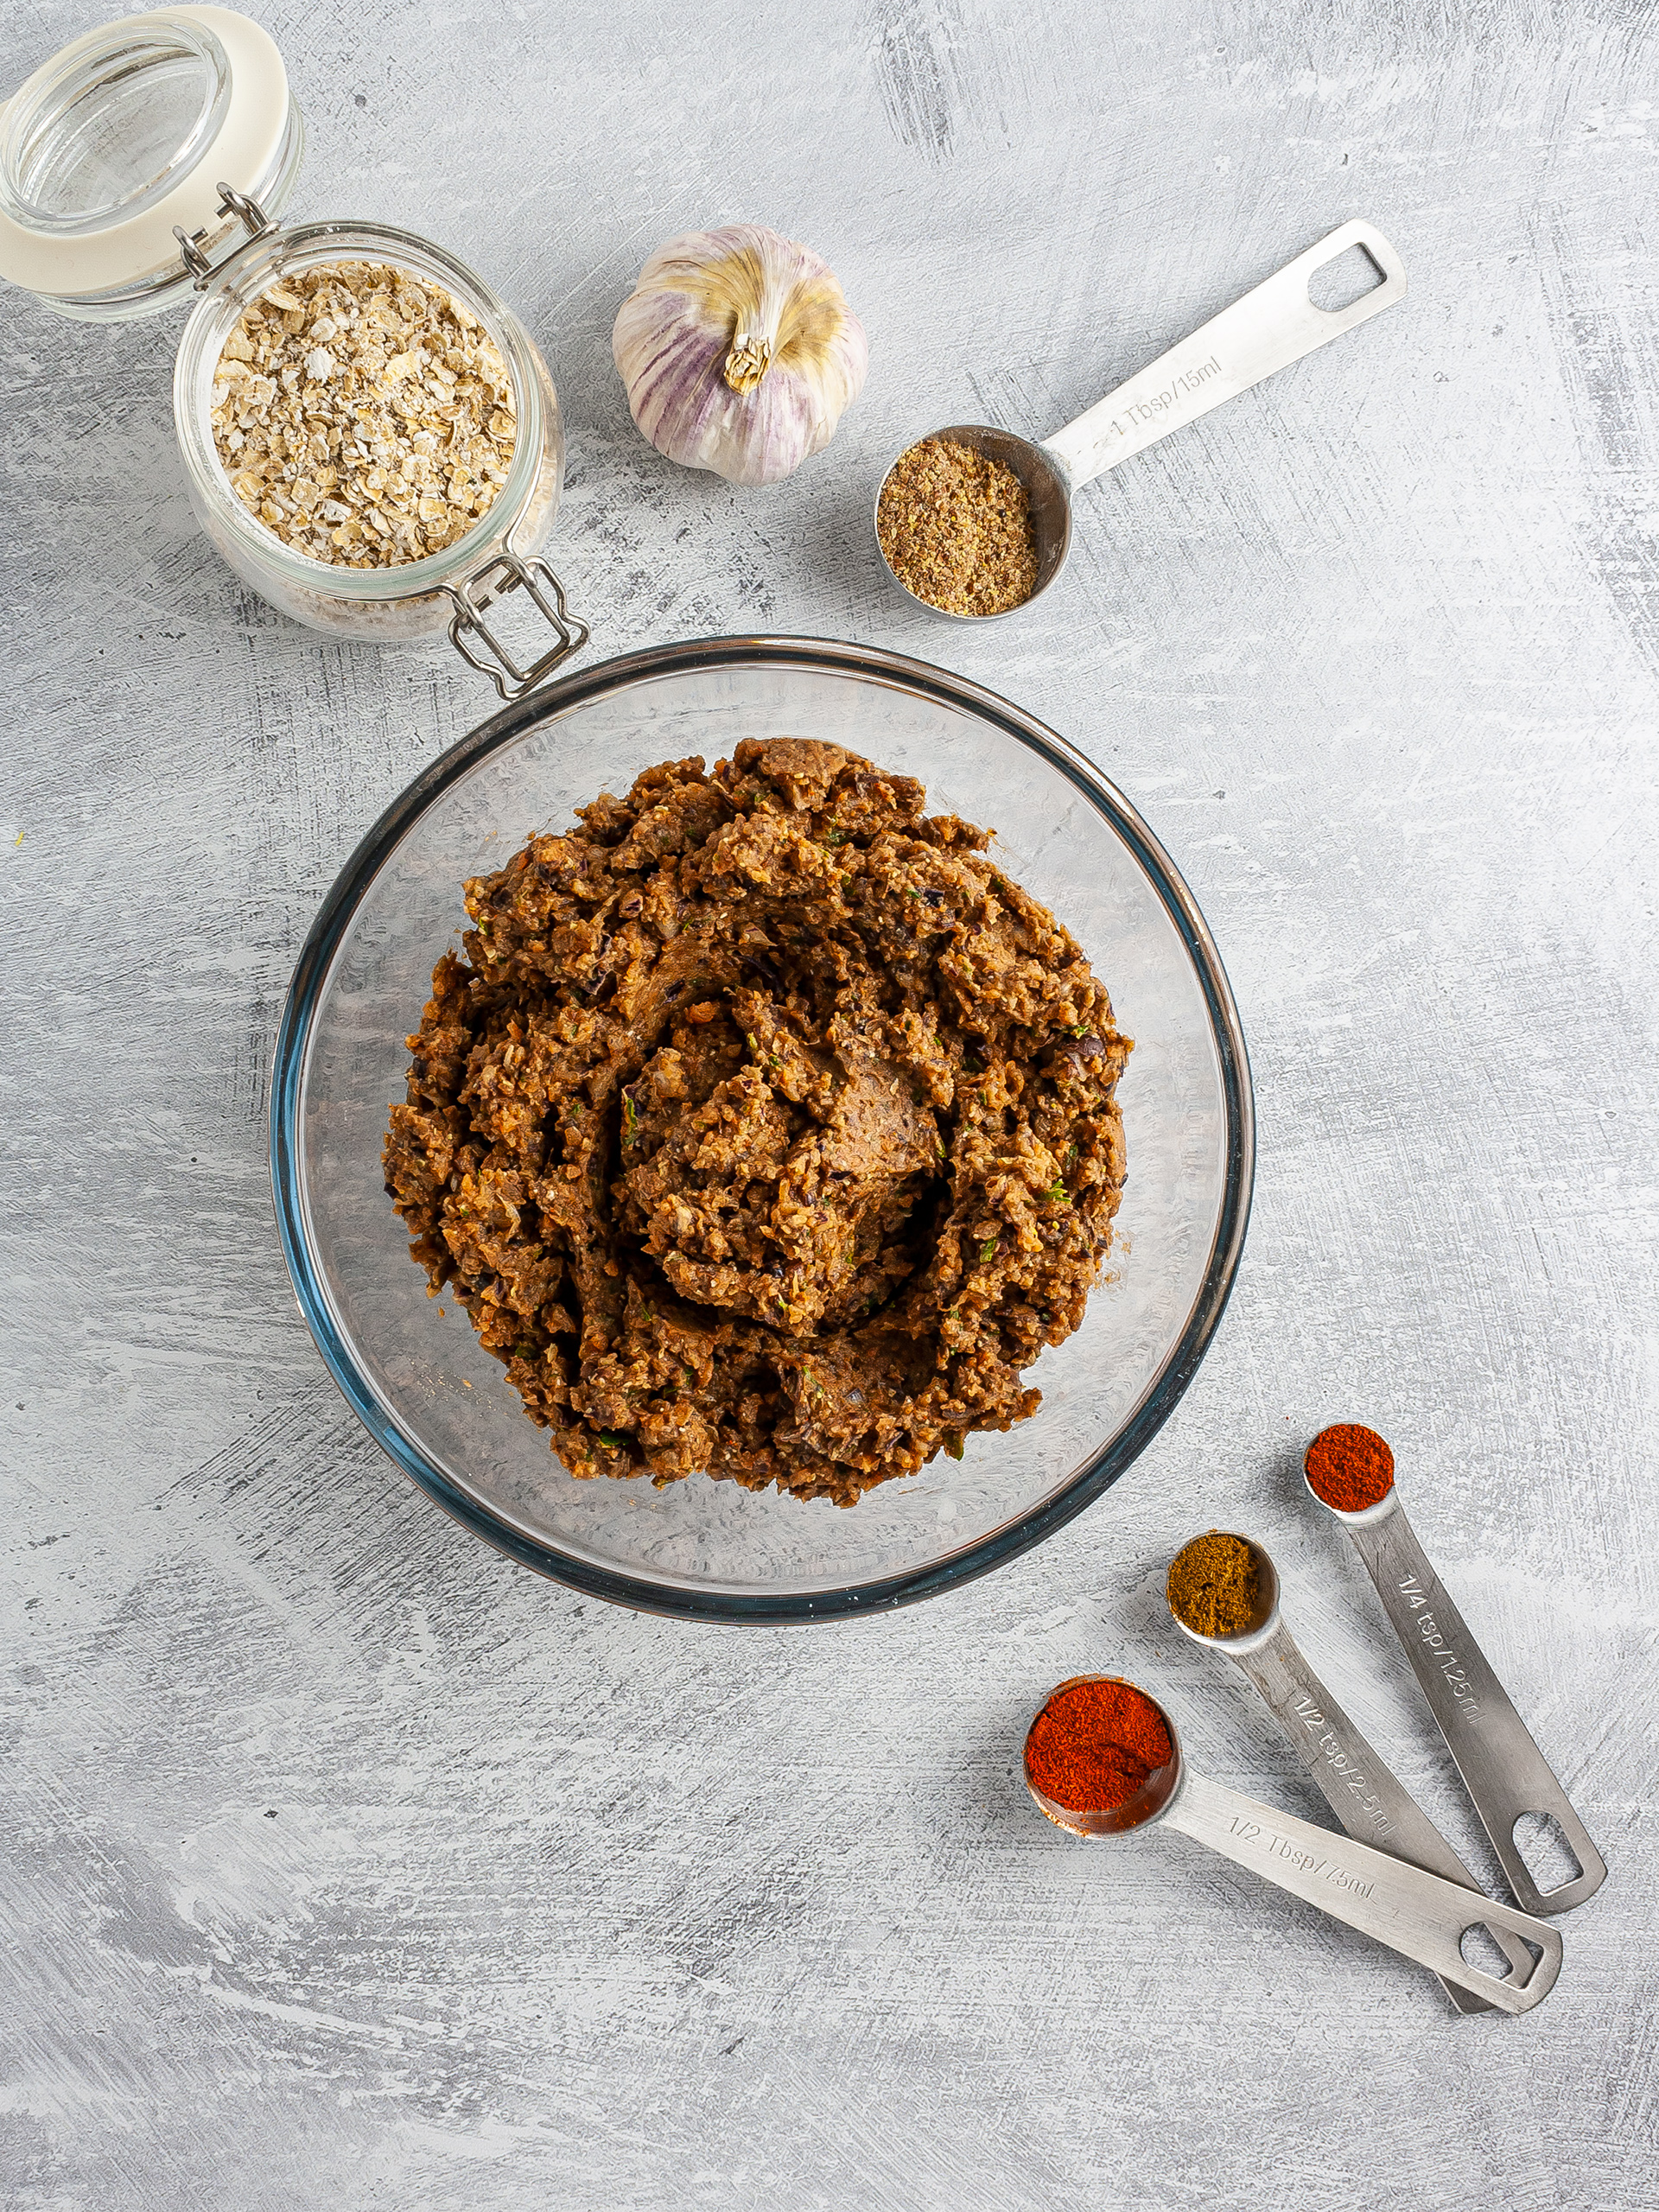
point(442, 1408)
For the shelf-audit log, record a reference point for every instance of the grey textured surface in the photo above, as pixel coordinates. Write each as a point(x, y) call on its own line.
point(344, 1864)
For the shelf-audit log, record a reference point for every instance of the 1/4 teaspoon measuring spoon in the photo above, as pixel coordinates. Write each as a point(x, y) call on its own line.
point(1414, 1913)
point(1504, 1771)
point(1267, 329)
point(1373, 1805)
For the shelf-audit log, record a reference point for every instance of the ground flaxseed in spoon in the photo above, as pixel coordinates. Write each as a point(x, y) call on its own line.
point(955, 528)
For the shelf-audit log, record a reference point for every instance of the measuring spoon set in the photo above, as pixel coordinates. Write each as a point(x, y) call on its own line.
point(1391, 1874)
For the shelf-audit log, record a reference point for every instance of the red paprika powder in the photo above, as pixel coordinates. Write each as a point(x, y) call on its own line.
point(1349, 1467)
point(1094, 1743)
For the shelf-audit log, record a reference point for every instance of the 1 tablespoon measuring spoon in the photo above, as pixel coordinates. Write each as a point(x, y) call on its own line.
point(1414, 1913)
point(1504, 1771)
point(1372, 1804)
point(1267, 329)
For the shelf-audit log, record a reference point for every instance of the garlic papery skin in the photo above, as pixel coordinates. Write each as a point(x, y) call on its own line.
point(738, 352)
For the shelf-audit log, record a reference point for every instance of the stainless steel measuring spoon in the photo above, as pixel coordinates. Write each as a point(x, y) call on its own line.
point(1414, 1913)
point(1267, 329)
point(1504, 1771)
point(1373, 1805)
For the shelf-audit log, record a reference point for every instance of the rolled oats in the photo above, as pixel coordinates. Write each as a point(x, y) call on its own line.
point(364, 415)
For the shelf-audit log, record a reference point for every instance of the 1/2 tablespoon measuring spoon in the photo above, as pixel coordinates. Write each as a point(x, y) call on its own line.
point(1267, 329)
point(1414, 1913)
point(1504, 1771)
point(1373, 1805)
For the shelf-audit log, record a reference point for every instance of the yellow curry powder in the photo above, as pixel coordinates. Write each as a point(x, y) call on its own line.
point(1213, 1584)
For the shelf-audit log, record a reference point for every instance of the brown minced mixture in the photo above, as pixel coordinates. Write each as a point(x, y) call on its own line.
point(765, 1129)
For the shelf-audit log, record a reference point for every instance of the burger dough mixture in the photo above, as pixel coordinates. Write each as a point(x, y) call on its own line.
point(766, 1130)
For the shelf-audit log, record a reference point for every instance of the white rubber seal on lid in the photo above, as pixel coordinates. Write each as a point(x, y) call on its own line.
point(207, 80)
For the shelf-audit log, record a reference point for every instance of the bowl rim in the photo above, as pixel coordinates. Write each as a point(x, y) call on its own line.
point(1180, 1363)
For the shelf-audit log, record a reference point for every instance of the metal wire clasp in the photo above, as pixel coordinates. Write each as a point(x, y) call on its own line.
point(508, 573)
point(251, 216)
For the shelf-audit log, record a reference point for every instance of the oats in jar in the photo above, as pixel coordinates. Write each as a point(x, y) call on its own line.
point(363, 416)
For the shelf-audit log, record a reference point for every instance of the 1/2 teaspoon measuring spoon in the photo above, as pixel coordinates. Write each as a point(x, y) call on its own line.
point(1267, 329)
point(1504, 1771)
point(1373, 1805)
point(1414, 1913)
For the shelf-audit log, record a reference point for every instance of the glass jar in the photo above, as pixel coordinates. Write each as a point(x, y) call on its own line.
point(149, 160)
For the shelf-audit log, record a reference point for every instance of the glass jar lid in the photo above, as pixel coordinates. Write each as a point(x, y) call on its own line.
point(113, 155)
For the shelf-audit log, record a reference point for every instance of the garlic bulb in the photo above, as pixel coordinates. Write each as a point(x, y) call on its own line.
point(738, 352)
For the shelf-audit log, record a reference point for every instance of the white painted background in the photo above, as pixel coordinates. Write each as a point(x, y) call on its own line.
point(344, 1865)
